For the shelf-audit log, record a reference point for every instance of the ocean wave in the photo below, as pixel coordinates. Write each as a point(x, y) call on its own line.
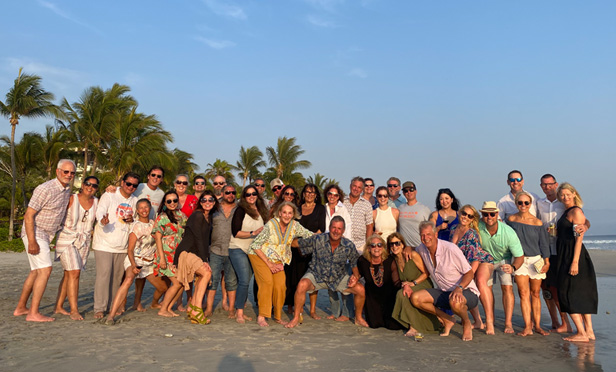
point(599, 241)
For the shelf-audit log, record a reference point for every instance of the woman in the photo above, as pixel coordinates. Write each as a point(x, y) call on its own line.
point(577, 283)
point(268, 254)
point(248, 220)
point(187, 203)
point(288, 194)
point(168, 231)
point(466, 236)
point(385, 217)
point(380, 272)
point(312, 218)
point(73, 244)
point(193, 255)
point(445, 217)
point(139, 262)
point(413, 277)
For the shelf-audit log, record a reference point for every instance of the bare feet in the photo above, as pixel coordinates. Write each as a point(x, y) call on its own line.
point(60, 310)
point(262, 322)
point(447, 325)
point(489, 329)
point(140, 308)
point(292, 323)
point(467, 334)
point(479, 325)
point(121, 311)
point(167, 314)
point(315, 316)
point(508, 329)
point(411, 333)
point(342, 319)
point(76, 316)
point(182, 308)
point(577, 338)
point(231, 314)
point(38, 317)
point(21, 311)
point(99, 315)
point(207, 312)
point(331, 317)
point(360, 321)
point(525, 332)
point(591, 335)
point(109, 321)
point(280, 321)
point(225, 304)
point(562, 329)
point(155, 306)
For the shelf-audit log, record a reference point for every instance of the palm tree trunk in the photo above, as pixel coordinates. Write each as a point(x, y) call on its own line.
point(23, 192)
point(13, 183)
point(85, 163)
point(94, 165)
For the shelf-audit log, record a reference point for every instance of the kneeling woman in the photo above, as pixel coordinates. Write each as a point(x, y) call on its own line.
point(193, 254)
point(268, 254)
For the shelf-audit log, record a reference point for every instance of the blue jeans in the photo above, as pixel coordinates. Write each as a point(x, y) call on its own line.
point(243, 271)
point(219, 263)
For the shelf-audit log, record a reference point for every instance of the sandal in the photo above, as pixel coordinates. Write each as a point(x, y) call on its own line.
point(199, 318)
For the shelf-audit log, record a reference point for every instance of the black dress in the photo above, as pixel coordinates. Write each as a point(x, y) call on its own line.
point(380, 299)
point(576, 294)
point(294, 271)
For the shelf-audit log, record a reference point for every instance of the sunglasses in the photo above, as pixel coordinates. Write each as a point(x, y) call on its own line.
point(382, 196)
point(289, 193)
point(170, 201)
point(276, 188)
point(90, 184)
point(522, 202)
point(512, 180)
point(408, 189)
point(230, 192)
point(248, 194)
point(85, 216)
point(218, 183)
point(489, 214)
point(392, 185)
point(332, 194)
point(310, 192)
point(199, 183)
point(374, 245)
point(185, 183)
point(207, 200)
point(369, 185)
point(65, 172)
point(156, 175)
point(259, 184)
point(469, 215)
point(128, 184)
point(395, 244)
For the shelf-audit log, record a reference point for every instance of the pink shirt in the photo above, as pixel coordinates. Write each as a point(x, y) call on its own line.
point(451, 265)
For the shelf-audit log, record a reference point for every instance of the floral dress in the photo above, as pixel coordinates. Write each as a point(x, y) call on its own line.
point(172, 236)
point(469, 244)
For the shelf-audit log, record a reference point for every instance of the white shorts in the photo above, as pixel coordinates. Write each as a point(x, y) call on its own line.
point(147, 268)
point(528, 268)
point(43, 258)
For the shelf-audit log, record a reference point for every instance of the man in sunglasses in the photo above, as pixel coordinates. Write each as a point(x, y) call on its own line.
point(219, 254)
point(151, 190)
point(506, 204)
point(260, 185)
point(198, 186)
point(114, 215)
point(502, 242)
point(276, 185)
point(411, 215)
point(43, 218)
point(218, 183)
point(393, 188)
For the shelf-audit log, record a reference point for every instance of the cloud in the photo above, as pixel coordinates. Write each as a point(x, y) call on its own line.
point(54, 8)
point(358, 72)
point(327, 5)
point(320, 22)
point(226, 10)
point(215, 44)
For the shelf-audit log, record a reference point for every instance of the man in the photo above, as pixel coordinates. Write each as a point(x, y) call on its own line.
point(506, 204)
point(198, 186)
point(369, 192)
point(393, 188)
point(411, 215)
point(150, 190)
point(452, 275)
point(327, 270)
point(114, 215)
point(498, 239)
point(260, 186)
point(218, 183)
point(219, 254)
point(360, 210)
point(276, 185)
point(43, 218)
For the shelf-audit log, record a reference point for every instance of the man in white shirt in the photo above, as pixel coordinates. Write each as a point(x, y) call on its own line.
point(506, 204)
point(150, 189)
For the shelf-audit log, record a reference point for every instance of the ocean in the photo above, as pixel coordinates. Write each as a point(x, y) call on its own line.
point(603, 242)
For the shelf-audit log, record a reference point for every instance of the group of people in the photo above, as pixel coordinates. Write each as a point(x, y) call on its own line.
point(384, 258)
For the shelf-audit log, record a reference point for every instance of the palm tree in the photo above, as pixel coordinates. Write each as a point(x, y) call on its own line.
point(183, 163)
point(220, 168)
point(284, 160)
point(248, 164)
point(26, 98)
point(53, 144)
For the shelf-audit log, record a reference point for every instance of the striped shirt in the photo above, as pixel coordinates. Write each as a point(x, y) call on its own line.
point(49, 200)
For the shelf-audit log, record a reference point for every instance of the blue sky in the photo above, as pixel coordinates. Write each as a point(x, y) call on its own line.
point(447, 94)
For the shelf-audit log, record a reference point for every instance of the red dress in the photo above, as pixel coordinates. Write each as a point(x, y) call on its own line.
point(189, 205)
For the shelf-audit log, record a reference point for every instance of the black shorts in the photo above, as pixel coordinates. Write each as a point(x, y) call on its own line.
point(441, 298)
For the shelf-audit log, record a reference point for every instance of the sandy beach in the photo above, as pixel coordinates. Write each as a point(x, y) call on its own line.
point(145, 341)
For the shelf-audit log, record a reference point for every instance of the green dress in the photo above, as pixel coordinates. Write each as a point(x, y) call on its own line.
point(404, 311)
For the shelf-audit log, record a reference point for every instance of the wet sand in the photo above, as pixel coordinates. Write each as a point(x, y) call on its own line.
point(145, 341)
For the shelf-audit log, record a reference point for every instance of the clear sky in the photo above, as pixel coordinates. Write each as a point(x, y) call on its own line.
point(444, 93)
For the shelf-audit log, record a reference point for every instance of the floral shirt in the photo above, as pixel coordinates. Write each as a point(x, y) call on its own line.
point(145, 247)
point(274, 244)
point(328, 267)
point(171, 237)
point(469, 244)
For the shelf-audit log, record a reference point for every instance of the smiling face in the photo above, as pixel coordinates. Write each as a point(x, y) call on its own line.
point(155, 178)
point(395, 246)
point(66, 173)
point(289, 195)
point(129, 186)
point(181, 185)
point(218, 183)
point(515, 182)
point(567, 197)
point(143, 211)
point(382, 196)
point(207, 202)
point(376, 247)
point(286, 214)
point(332, 197)
point(368, 188)
point(428, 237)
point(250, 194)
point(523, 203)
point(89, 187)
point(336, 230)
point(172, 201)
point(228, 193)
point(466, 216)
point(309, 195)
point(489, 218)
point(393, 187)
point(445, 201)
point(549, 187)
point(199, 185)
point(356, 188)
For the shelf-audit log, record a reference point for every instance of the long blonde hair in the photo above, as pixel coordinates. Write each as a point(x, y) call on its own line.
point(577, 199)
point(474, 221)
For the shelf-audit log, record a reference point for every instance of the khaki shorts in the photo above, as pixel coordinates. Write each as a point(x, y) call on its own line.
point(342, 286)
point(503, 278)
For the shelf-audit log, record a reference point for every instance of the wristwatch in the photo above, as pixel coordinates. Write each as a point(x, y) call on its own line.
point(414, 282)
point(462, 288)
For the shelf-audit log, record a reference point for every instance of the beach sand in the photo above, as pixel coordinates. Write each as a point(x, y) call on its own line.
point(145, 341)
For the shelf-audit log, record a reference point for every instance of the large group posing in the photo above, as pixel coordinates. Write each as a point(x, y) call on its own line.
point(384, 258)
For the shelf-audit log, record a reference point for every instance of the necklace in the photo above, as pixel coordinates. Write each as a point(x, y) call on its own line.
point(378, 278)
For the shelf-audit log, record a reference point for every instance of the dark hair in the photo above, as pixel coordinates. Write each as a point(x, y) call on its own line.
point(514, 171)
point(368, 179)
point(163, 206)
point(317, 198)
point(334, 186)
point(214, 208)
point(455, 203)
point(547, 175)
point(156, 167)
point(90, 178)
point(383, 188)
point(281, 199)
point(144, 200)
point(198, 177)
point(131, 175)
point(261, 208)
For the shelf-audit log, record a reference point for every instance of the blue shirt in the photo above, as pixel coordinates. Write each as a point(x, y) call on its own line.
point(328, 267)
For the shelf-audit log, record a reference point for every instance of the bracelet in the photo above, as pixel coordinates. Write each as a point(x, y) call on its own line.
point(251, 234)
